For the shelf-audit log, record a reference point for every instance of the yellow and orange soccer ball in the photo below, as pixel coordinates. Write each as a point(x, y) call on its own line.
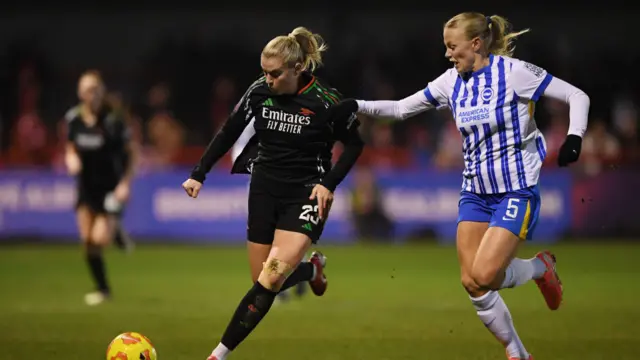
point(131, 346)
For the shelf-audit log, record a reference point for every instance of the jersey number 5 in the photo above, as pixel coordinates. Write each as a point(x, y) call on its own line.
point(512, 209)
point(307, 214)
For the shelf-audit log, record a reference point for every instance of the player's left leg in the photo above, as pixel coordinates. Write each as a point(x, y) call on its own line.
point(101, 234)
point(121, 237)
point(287, 252)
point(518, 214)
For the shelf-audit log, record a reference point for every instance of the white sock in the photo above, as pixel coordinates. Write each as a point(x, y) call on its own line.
point(496, 317)
point(221, 352)
point(520, 271)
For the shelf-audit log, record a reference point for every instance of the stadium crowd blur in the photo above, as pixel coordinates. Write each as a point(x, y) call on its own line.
point(181, 91)
point(173, 119)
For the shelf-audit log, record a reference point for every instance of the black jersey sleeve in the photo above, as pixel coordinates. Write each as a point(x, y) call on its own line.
point(346, 131)
point(228, 134)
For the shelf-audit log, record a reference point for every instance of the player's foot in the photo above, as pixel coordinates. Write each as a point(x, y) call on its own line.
point(529, 358)
point(549, 284)
point(319, 282)
point(95, 298)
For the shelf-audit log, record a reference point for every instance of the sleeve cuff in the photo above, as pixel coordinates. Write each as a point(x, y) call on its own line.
point(198, 175)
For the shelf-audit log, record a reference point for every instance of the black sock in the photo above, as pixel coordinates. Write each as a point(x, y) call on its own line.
point(253, 308)
point(96, 265)
point(304, 272)
point(118, 238)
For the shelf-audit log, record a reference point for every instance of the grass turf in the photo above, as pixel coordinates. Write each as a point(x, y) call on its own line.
point(383, 302)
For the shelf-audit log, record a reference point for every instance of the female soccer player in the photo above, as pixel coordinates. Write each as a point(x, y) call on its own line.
point(292, 180)
point(100, 155)
point(249, 135)
point(492, 97)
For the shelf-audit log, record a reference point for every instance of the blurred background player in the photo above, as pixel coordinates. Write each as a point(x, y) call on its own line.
point(292, 178)
point(242, 142)
point(99, 154)
point(492, 97)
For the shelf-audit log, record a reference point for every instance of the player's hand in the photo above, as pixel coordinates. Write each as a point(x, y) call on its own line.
point(325, 199)
point(570, 150)
point(74, 165)
point(192, 187)
point(122, 191)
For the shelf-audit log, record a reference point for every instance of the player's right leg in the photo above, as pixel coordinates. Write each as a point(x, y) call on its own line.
point(287, 251)
point(311, 271)
point(518, 214)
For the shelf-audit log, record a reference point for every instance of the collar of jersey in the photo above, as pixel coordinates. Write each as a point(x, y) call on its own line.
point(479, 71)
point(306, 87)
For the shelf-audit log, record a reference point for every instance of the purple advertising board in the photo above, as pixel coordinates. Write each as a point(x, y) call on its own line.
point(41, 203)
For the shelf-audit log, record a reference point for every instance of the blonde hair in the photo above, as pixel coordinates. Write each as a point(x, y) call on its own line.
point(494, 30)
point(92, 73)
point(300, 46)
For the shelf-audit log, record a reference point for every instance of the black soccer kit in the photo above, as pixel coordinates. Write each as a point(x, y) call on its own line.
point(289, 154)
point(103, 152)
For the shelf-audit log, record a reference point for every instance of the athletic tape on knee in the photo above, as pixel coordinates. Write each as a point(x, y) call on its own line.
point(277, 267)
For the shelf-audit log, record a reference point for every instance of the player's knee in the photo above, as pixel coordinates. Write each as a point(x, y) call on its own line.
point(101, 239)
point(484, 276)
point(101, 235)
point(469, 284)
point(274, 273)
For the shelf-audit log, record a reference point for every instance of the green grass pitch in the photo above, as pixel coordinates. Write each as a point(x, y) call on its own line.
point(383, 302)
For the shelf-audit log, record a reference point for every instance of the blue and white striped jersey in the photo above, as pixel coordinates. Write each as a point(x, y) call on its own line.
point(493, 108)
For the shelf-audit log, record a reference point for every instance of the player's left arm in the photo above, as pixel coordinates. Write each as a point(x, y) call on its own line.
point(346, 131)
point(531, 82)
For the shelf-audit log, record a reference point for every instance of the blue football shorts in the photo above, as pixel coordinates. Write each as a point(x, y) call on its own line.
point(516, 211)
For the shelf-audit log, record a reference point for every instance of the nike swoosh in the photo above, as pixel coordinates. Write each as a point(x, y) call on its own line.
point(490, 322)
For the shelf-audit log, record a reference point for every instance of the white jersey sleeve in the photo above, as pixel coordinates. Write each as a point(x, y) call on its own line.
point(242, 141)
point(399, 110)
point(578, 101)
point(433, 96)
point(529, 81)
point(437, 92)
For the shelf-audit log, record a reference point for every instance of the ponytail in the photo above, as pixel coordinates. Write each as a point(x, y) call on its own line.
point(300, 46)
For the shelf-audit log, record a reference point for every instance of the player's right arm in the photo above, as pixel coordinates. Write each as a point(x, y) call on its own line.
point(71, 157)
point(433, 96)
point(227, 136)
point(72, 160)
